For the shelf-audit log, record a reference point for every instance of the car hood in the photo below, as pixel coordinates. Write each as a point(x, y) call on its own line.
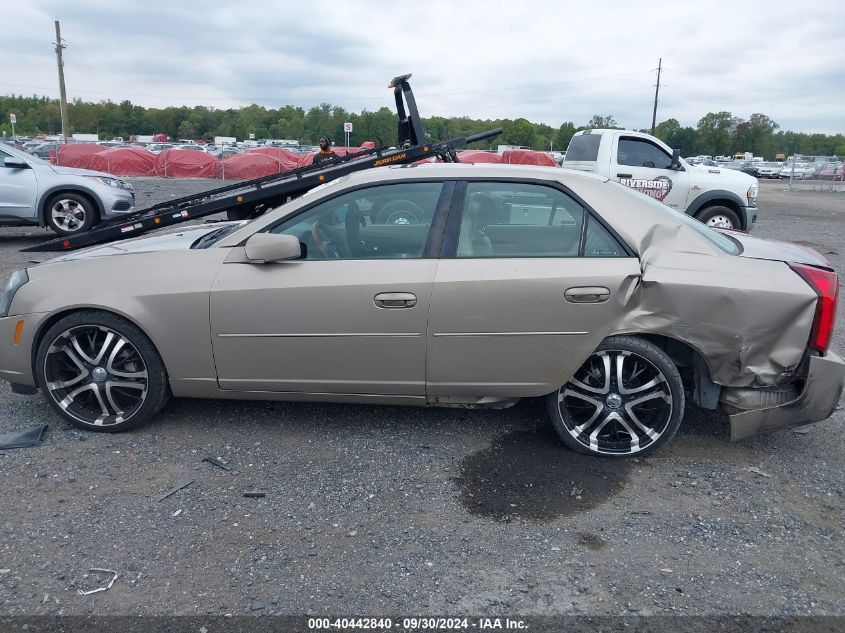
point(721, 176)
point(776, 250)
point(169, 240)
point(73, 171)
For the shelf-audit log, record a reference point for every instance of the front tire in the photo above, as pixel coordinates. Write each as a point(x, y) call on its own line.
point(70, 213)
point(100, 372)
point(626, 399)
point(719, 218)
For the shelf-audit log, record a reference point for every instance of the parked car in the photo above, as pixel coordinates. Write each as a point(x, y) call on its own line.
point(317, 301)
point(224, 152)
point(802, 171)
point(832, 172)
point(68, 200)
point(193, 148)
point(745, 166)
point(43, 150)
point(769, 170)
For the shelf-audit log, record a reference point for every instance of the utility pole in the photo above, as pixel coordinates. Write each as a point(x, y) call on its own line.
point(656, 92)
point(62, 94)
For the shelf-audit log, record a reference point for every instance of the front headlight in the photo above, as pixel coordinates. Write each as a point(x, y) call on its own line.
point(752, 192)
point(18, 279)
point(112, 182)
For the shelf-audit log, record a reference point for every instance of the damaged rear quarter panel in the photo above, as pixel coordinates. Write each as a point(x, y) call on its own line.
point(750, 319)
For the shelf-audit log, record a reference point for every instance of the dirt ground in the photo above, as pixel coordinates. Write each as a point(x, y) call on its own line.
point(382, 510)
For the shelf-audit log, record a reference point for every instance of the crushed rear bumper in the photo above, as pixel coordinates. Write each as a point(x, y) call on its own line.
point(817, 401)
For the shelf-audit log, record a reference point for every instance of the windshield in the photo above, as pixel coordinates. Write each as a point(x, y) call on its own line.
point(30, 158)
point(212, 237)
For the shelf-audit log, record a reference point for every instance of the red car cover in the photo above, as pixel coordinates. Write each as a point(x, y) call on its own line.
point(124, 161)
point(287, 158)
point(527, 157)
point(250, 165)
point(185, 163)
point(77, 155)
point(478, 156)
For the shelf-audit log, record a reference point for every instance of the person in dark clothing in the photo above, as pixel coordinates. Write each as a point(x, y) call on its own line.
point(326, 153)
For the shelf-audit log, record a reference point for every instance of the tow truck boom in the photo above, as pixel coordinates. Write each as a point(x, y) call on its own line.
point(250, 198)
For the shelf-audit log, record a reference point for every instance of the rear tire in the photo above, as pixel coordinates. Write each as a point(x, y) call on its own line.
point(719, 217)
point(70, 213)
point(596, 413)
point(100, 372)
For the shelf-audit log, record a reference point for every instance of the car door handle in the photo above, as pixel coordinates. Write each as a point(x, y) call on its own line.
point(624, 175)
point(393, 300)
point(587, 294)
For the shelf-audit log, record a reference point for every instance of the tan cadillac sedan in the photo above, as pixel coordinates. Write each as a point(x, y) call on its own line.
point(440, 285)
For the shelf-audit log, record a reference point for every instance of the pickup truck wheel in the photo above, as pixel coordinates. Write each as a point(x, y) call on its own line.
point(626, 399)
point(719, 218)
point(70, 213)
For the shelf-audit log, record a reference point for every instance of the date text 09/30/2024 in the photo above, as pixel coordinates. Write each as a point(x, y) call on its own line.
point(415, 624)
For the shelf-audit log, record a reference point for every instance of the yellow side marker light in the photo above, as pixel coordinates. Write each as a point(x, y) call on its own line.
point(239, 199)
point(18, 331)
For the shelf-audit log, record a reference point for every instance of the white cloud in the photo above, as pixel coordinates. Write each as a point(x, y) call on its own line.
point(544, 60)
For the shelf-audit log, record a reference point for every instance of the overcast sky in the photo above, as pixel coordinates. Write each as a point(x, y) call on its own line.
point(549, 61)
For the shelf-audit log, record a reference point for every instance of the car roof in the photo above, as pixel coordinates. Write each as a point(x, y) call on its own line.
point(469, 170)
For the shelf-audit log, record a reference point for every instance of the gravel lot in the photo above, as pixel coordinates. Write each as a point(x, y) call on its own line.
point(381, 510)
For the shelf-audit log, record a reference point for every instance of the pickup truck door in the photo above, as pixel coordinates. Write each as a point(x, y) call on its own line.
point(645, 166)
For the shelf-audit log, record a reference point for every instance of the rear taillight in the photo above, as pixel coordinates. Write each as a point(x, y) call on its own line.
point(826, 286)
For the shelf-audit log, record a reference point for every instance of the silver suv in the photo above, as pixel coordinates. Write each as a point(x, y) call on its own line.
point(68, 200)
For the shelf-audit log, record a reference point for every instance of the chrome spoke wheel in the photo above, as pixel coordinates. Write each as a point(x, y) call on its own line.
point(68, 214)
point(95, 375)
point(617, 403)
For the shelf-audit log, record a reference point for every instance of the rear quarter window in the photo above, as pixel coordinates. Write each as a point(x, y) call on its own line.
point(583, 147)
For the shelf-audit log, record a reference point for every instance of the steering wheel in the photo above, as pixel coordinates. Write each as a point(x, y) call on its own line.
point(401, 212)
point(323, 241)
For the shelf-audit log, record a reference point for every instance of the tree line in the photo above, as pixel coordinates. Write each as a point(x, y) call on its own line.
point(717, 133)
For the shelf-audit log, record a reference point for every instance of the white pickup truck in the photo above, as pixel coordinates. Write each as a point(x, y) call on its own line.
point(719, 197)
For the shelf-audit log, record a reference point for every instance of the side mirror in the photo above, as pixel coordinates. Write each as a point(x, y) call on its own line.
point(15, 163)
point(272, 247)
point(676, 159)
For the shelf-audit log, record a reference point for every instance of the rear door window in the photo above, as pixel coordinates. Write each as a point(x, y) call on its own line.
point(516, 219)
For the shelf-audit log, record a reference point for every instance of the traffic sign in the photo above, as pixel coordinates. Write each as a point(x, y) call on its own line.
point(347, 127)
point(14, 119)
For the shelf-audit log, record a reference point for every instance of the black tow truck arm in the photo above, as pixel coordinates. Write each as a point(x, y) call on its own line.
point(252, 197)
